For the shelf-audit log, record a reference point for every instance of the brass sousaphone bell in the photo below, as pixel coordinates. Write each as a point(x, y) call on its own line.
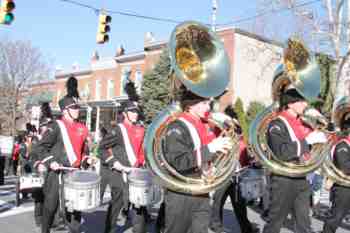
point(329, 168)
point(301, 71)
point(200, 63)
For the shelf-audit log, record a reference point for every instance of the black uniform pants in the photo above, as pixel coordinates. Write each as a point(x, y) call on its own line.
point(238, 205)
point(14, 166)
point(2, 169)
point(118, 198)
point(51, 203)
point(186, 212)
point(115, 182)
point(340, 208)
point(289, 195)
point(38, 197)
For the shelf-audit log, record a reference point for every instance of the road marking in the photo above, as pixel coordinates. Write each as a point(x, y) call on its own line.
point(7, 193)
point(7, 186)
point(15, 210)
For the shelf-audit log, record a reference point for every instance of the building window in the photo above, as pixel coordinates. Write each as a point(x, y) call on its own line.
point(110, 89)
point(86, 92)
point(138, 81)
point(124, 79)
point(98, 90)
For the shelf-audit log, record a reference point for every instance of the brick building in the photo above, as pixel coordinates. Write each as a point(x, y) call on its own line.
point(253, 60)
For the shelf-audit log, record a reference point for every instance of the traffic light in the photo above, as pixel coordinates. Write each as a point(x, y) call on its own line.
point(6, 15)
point(103, 28)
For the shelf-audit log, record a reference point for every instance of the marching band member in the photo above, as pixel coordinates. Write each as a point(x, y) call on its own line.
point(184, 212)
point(121, 149)
point(341, 158)
point(289, 140)
point(63, 145)
point(45, 123)
point(231, 189)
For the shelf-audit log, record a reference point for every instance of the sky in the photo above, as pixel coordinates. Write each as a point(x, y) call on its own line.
point(66, 33)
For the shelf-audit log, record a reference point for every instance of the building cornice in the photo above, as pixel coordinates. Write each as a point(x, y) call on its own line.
point(130, 57)
point(63, 75)
point(105, 63)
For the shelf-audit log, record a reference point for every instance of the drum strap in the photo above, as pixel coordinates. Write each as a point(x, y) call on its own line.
point(196, 140)
point(128, 147)
point(72, 157)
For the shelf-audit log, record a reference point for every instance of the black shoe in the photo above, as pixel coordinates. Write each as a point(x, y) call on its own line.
point(217, 229)
point(125, 213)
point(265, 215)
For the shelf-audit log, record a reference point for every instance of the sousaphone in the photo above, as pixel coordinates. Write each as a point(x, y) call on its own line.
point(299, 69)
point(334, 174)
point(200, 63)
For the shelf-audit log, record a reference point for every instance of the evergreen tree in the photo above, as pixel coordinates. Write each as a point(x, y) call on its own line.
point(242, 118)
point(327, 77)
point(155, 91)
point(253, 109)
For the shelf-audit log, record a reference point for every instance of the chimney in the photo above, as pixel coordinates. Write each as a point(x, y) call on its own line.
point(95, 56)
point(149, 38)
point(58, 69)
point(120, 51)
point(75, 66)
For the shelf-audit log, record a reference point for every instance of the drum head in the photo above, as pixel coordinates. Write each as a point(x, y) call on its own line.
point(138, 175)
point(83, 177)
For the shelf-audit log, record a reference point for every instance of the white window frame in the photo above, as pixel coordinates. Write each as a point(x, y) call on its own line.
point(98, 90)
point(110, 94)
point(126, 72)
point(138, 80)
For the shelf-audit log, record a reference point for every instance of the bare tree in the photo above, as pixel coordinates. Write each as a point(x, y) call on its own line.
point(324, 29)
point(20, 64)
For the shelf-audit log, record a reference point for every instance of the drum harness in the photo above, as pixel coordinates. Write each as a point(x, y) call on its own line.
point(62, 207)
point(236, 179)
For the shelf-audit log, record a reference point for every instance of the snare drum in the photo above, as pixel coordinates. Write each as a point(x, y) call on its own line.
point(252, 183)
point(30, 181)
point(142, 190)
point(82, 190)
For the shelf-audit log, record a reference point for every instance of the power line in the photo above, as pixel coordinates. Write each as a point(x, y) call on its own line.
point(167, 20)
point(269, 12)
point(121, 12)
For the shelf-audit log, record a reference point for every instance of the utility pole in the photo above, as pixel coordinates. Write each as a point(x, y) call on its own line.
point(214, 11)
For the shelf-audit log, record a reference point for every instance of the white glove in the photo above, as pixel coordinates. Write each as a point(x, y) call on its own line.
point(220, 117)
point(118, 166)
point(312, 112)
point(41, 168)
point(220, 144)
point(316, 137)
point(54, 166)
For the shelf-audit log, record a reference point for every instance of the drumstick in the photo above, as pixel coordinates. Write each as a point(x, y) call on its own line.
point(67, 168)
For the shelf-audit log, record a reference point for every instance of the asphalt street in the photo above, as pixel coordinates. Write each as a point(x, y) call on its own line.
point(20, 219)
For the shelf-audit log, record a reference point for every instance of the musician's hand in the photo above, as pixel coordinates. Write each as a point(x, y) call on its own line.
point(127, 169)
point(220, 144)
point(54, 166)
point(41, 168)
point(118, 166)
point(316, 137)
point(91, 160)
point(220, 117)
point(312, 112)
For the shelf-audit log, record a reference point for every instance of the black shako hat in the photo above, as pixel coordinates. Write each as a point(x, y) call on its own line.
point(130, 106)
point(188, 98)
point(71, 99)
point(46, 114)
point(291, 96)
